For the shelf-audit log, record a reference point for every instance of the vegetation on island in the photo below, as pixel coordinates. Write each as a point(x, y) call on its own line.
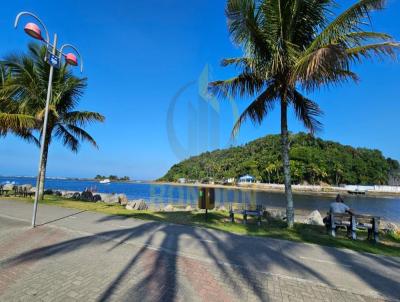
point(112, 178)
point(23, 89)
point(291, 48)
point(312, 161)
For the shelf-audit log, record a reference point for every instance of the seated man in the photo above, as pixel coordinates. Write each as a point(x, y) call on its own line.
point(337, 207)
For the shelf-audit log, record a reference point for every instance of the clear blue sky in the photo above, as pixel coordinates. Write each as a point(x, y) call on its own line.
point(139, 55)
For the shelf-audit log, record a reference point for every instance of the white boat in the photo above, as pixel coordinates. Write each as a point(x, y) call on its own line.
point(105, 181)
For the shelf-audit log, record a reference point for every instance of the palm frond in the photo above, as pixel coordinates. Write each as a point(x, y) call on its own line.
point(68, 139)
point(306, 111)
point(82, 118)
point(17, 122)
point(380, 50)
point(258, 109)
point(81, 134)
point(351, 20)
point(243, 84)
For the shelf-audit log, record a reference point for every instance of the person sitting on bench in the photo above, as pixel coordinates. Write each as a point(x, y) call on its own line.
point(337, 207)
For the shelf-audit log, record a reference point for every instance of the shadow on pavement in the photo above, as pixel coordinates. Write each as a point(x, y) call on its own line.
point(246, 256)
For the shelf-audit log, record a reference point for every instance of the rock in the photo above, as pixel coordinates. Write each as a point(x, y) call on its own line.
point(76, 195)
point(314, 218)
point(27, 187)
point(130, 205)
point(275, 213)
point(87, 196)
point(138, 205)
point(141, 205)
point(96, 198)
point(57, 193)
point(222, 208)
point(48, 192)
point(8, 187)
point(169, 208)
point(391, 228)
point(123, 200)
point(189, 208)
point(110, 198)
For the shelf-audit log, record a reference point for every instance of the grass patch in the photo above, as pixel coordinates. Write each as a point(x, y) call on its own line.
point(389, 245)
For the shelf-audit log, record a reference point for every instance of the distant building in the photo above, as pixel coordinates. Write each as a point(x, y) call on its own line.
point(182, 180)
point(247, 179)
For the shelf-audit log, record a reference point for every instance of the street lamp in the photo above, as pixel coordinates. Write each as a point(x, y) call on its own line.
point(34, 31)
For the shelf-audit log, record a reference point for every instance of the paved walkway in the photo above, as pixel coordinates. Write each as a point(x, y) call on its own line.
point(84, 256)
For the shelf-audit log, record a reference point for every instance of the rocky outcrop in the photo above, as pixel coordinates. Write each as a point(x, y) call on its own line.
point(221, 208)
point(169, 208)
point(275, 213)
point(123, 200)
point(87, 196)
point(391, 228)
point(138, 205)
point(314, 218)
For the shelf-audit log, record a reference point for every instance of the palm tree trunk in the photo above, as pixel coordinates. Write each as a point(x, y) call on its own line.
point(286, 164)
point(43, 167)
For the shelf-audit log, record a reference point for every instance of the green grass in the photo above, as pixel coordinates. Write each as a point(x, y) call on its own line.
point(389, 245)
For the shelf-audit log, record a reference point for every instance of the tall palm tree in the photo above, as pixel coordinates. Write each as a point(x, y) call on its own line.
point(26, 88)
point(10, 120)
point(292, 47)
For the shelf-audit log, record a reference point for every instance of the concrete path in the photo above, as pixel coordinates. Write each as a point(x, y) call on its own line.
point(84, 256)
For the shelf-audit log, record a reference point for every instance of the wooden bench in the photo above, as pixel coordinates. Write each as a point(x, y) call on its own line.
point(246, 210)
point(354, 222)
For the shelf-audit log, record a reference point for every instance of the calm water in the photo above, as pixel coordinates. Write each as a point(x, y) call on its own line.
point(387, 208)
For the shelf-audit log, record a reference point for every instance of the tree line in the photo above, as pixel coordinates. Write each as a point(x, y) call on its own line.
point(312, 161)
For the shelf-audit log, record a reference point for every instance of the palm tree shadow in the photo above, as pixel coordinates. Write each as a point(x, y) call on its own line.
point(240, 259)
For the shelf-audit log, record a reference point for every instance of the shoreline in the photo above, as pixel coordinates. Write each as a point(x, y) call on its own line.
point(273, 188)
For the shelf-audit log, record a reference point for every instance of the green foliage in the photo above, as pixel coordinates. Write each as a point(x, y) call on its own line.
point(313, 160)
point(23, 91)
point(112, 177)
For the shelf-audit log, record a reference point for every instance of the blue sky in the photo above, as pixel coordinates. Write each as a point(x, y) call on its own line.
point(147, 63)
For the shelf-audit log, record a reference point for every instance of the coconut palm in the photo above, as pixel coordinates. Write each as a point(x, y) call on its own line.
point(26, 88)
point(10, 120)
point(290, 48)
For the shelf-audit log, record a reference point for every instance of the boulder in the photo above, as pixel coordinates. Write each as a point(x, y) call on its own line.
point(76, 195)
point(123, 200)
point(96, 198)
point(131, 205)
point(169, 208)
point(110, 198)
point(189, 208)
point(48, 192)
point(391, 228)
point(141, 205)
point(87, 196)
point(222, 208)
point(275, 213)
point(27, 187)
point(138, 205)
point(8, 187)
point(57, 193)
point(314, 218)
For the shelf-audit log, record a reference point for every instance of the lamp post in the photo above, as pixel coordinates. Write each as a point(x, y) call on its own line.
point(34, 31)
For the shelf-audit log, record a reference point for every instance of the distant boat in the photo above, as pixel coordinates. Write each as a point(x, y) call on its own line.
point(105, 181)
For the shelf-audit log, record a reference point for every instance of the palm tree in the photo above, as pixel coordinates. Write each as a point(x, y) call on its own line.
point(291, 47)
point(10, 120)
point(26, 88)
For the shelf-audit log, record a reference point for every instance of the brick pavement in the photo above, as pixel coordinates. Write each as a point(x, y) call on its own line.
point(55, 264)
